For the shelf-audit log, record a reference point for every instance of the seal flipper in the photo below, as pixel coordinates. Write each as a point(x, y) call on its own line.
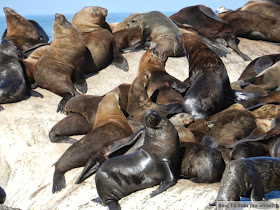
point(121, 63)
point(58, 182)
point(233, 45)
point(2, 195)
point(124, 142)
point(81, 85)
point(113, 205)
point(61, 105)
point(1, 108)
point(169, 182)
point(90, 168)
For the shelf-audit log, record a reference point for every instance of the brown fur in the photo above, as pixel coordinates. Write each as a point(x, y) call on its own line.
point(21, 31)
point(99, 41)
point(127, 37)
point(263, 8)
point(62, 61)
point(210, 90)
point(110, 125)
point(232, 126)
point(252, 25)
point(266, 111)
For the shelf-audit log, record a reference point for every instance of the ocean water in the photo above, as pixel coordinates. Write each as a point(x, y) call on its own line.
point(46, 21)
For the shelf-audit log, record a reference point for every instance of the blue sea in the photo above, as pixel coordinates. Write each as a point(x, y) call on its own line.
point(46, 21)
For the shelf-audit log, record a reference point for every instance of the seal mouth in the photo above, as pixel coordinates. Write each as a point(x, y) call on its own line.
point(152, 119)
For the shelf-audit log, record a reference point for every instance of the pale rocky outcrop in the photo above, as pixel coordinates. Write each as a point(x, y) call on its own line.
point(27, 155)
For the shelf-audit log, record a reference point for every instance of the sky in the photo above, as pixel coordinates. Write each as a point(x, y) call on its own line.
point(36, 7)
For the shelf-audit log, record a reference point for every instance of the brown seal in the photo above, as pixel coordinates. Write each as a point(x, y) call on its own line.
point(23, 33)
point(102, 50)
point(158, 28)
point(232, 126)
point(200, 163)
point(155, 163)
point(59, 70)
point(250, 177)
point(258, 65)
point(127, 37)
point(110, 125)
point(254, 26)
point(267, 79)
point(204, 20)
point(263, 8)
point(210, 90)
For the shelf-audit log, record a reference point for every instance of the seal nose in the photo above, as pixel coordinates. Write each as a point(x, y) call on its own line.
point(152, 118)
point(7, 10)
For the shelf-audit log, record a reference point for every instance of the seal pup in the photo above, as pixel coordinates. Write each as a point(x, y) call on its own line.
point(155, 163)
point(251, 177)
point(201, 163)
point(101, 47)
point(210, 90)
point(59, 70)
point(208, 24)
point(157, 27)
point(110, 125)
point(12, 79)
point(23, 33)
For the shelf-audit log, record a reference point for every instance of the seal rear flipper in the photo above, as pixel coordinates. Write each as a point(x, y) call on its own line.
point(61, 105)
point(120, 62)
point(58, 182)
point(125, 142)
point(90, 168)
point(169, 182)
point(81, 85)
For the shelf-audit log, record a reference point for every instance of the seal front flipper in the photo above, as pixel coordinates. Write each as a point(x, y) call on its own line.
point(120, 62)
point(169, 181)
point(233, 45)
point(61, 105)
point(124, 142)
point(90, 168)
point(81, 85)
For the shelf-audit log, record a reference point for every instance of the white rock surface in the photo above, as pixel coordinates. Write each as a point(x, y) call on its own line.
point(27, 155)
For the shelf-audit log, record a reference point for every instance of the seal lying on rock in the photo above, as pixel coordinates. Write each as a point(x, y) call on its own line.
point(155, 163)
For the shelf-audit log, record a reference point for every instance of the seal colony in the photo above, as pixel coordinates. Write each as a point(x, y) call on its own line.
point(180, 170)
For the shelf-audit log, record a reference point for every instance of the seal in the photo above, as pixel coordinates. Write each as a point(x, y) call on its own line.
point(200, 163)
point(263, 8)
point(248, 149)
point(122, 25)
point(139, 103)
point(267, 79)
point(59, 70)
point(12, 79)
point(23, 33)
point(266, 111)
point(29, 63)
point(81, 111)
point(155, 163)
point(250, 177)
point(258, 65)
point(102, 49)
point(127, 37)
point(2, 195)
point(210, 90)
point(253, 25)
point(204, 20)
point(110, 125)
point(157, 27)
point(255, 102)
point(232, 126)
